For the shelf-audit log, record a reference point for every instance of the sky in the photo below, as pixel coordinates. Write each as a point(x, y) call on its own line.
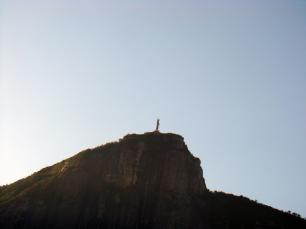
point(229, 76)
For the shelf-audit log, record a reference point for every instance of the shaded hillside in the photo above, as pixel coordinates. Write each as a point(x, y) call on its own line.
point(231, 212)
point(141, 181)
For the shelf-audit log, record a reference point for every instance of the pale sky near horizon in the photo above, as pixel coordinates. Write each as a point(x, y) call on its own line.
point(230, 76)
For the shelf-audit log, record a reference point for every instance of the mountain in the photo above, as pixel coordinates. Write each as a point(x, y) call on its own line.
point(149, 180)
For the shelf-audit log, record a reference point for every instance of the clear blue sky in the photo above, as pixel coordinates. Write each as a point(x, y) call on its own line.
point(230, 76)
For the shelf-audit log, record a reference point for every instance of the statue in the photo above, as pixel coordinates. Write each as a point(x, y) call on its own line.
point(157, 126)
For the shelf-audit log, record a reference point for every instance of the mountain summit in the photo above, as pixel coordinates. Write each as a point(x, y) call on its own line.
point(149, 180)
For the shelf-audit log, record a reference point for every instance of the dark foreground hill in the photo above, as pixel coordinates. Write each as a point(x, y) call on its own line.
point(141, 181)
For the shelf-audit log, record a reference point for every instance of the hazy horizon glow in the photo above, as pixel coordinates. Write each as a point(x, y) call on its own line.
point(230, 76)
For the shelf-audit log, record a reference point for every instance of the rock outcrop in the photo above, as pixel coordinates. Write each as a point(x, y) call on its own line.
point(142, 181)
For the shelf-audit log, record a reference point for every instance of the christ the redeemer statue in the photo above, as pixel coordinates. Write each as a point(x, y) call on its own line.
point(157, 125)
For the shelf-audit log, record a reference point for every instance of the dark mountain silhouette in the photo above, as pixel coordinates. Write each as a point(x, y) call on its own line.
point(142, 181)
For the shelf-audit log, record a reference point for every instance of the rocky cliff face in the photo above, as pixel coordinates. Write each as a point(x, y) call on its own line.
point(142, 181)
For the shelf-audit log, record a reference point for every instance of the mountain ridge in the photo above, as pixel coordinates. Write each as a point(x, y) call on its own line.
point(148, 180)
